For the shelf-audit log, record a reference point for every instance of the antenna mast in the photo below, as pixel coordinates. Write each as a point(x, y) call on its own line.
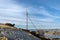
point(26, 20)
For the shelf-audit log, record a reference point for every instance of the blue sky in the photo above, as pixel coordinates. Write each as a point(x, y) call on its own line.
point(45, 14)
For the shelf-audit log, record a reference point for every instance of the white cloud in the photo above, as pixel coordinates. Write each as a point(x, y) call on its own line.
point(10, 12)
point(48, 22)
point(8, 7)
point(13, 13)
point(40, 10)
point(52, 3)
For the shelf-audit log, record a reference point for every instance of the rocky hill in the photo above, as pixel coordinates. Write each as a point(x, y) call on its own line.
point(13, 33)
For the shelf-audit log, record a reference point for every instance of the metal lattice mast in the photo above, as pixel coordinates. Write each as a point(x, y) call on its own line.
point(26, 19)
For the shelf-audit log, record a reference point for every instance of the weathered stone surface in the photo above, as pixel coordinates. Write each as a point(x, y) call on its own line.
point(18, 35)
